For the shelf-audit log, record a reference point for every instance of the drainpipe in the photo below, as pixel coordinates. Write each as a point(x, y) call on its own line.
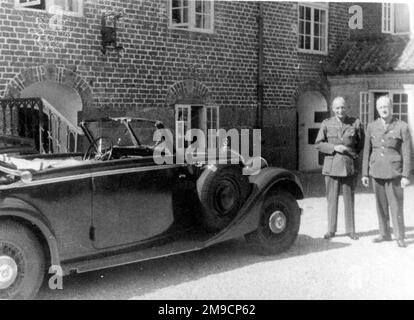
point(260, 87)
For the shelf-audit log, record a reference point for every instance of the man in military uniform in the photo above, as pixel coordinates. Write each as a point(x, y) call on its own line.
point(340, 139)
point(387, 156)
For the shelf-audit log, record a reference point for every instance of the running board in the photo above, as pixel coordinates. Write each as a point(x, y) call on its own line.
point(109, 261)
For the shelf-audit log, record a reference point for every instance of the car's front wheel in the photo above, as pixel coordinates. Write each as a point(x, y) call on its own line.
point(279, 224)
point(22, 262)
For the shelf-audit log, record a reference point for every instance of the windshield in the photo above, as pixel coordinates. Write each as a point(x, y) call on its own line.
point(118, 132)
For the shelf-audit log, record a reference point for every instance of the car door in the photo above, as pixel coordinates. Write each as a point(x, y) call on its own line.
point(132, 202)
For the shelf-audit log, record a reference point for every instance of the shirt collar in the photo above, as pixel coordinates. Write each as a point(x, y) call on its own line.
point(385, 123)
point(339, 120)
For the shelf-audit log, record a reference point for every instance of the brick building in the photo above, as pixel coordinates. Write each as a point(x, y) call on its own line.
point(378, 60)
point(199, 60)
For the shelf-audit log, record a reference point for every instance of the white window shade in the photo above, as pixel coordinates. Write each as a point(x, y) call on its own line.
point(401, 18)
point(28, 3)
point(66, 6)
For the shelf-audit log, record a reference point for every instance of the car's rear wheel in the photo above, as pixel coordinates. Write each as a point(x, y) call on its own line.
point(22, 262)
point(279, 224)
point(222, 193)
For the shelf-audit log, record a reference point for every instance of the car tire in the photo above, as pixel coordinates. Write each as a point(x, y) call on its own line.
point(222, 191)
point(278, 226)
point(22, 262)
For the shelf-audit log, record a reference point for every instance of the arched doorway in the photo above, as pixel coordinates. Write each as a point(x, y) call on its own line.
point(43, 103)
point(60, 107)
point(312, 109)
point(63, 98)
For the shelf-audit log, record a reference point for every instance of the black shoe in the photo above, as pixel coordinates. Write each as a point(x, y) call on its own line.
point(353, 236)
point(401, 243)
point(329, 235)
point(382, 239)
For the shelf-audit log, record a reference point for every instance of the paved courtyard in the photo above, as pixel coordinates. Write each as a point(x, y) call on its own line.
point(312, 269)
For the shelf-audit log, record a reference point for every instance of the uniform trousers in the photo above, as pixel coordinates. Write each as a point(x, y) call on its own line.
point(390, 195)
point(333, 188)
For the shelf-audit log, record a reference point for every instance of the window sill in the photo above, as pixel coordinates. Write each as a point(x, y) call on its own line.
point(398, 33)
point(194, 30)
point(313, 52)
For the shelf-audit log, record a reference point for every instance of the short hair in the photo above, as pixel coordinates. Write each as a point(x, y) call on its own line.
point(338, 100)
point(385, 99)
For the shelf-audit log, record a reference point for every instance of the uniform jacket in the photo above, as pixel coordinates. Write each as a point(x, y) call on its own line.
point(387, 152)
point(334, 132)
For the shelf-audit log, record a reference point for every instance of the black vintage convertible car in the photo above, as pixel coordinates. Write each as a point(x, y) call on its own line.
point(115, 205)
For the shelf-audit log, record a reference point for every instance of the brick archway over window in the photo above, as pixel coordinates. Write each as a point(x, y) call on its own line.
point(188, 91)
point(319, 86)
point(50, 73)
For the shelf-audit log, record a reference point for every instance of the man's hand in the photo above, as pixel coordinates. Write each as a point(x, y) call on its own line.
point(365, 182)
point(340, 148)
point(405, 183)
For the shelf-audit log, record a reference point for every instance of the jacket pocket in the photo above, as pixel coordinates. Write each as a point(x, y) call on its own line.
point(394, 142)
point(327, 165)
point(396, 167)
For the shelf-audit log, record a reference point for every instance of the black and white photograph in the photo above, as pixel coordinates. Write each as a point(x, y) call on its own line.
point(206, 150)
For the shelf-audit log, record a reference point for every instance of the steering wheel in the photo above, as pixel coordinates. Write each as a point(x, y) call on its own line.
point(100, 149)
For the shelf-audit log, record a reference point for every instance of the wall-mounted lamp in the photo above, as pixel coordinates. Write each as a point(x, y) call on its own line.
point(109, 32)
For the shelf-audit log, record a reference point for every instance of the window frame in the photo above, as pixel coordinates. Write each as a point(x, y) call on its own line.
point(391, 29)
point(49, 4)
point(400, 92)
point(364, 103)
point(387, 8)
point(204, 125)
point(187, 108)
point(190, 25)
point(313, 6)
point(217, 123)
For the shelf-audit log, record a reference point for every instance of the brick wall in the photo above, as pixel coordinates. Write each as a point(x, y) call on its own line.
point(288, 73)
point(372, 15)
point(141, 80)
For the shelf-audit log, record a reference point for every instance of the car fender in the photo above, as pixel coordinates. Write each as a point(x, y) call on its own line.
point(17, 208)
point(249, 216)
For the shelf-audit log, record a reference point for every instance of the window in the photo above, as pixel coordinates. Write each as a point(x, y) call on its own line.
point(70, 7)
point(182, 124)
point(364, 108)
point(396, 18)
point(313, 28)
point(194, 15)
point(212, 123)
point(400, 103)
point(189, 117)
